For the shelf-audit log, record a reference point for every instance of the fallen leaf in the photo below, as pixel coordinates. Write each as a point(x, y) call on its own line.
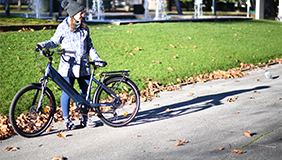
point(168, 110)
point(61, 134)
point(257, 80)
point(156, 61)
point(232, 99)
point(195, 47)
point(129, 31)
point(256, 92)
point(170, 68)
point(236, 112)
point(11, 148)
point(109, 26)
point(190, 93)
point(58, 158)
point(180, 142)
point(49, 129)
point(138, 136)
point(237, 151)
point(177, 144)
point(172, 46)
point(130, 53)
point(248, 133)
point(219, 148)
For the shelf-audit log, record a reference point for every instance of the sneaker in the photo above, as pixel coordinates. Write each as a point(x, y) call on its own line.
point(69, 125)
point(86, 122)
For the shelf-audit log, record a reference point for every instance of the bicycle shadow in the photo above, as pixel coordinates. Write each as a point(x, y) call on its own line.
point(187, 107)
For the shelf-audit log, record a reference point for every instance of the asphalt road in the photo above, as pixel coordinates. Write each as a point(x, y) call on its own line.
point(205, 119)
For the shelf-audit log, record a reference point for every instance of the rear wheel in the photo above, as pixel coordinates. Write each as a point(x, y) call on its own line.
point(25, 118)
point(125, 109)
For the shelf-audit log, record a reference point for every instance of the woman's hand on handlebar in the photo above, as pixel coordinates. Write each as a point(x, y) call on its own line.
point(39, 48)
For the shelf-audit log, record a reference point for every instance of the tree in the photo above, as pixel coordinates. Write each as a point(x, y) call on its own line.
point(19, 4)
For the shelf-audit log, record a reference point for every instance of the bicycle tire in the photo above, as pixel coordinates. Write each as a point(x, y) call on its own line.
point(23, 116)
point(129, 95)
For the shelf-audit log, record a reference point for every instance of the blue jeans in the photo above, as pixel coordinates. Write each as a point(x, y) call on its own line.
point(65, 99)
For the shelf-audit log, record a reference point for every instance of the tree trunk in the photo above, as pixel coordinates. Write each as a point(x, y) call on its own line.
point(7, 8)
point(19, 4)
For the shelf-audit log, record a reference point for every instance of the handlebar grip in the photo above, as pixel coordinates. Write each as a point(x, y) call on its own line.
point(99, 63)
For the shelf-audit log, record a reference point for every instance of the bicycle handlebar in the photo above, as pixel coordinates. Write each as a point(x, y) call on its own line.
point(49, 55)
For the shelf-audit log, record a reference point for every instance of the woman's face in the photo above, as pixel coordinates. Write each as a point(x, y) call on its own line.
point(78, 16)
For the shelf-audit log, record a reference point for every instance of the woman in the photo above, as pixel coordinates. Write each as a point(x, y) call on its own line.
point(73, 35)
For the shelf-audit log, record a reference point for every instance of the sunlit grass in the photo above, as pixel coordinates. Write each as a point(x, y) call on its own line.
point(209, 46)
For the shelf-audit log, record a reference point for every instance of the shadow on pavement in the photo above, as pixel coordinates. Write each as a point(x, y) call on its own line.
point(187, 107)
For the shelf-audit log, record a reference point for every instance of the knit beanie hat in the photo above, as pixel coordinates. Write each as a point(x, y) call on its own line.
point(72, 7)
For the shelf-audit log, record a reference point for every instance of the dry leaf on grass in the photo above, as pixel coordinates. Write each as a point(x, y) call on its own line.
point(11, 148)
point(248, 133)
point(156, 61)
point(130, 53)
point(170, 68)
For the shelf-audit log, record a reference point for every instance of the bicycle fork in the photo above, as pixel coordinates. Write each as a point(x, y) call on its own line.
point(43, 86)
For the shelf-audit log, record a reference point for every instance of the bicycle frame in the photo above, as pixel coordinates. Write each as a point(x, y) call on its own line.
point(71, 92)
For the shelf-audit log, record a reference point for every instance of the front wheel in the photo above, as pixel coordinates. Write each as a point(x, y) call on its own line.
point(125, 109)
point(26, 119)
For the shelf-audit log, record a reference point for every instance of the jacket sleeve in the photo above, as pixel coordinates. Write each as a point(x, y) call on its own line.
point(91, 50)
point(55, 40)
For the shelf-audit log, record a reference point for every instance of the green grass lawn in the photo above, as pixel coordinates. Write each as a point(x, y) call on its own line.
point(10, 20)
point(177, 45)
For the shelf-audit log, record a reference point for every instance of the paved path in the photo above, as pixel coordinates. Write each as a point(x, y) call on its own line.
point(206, 120)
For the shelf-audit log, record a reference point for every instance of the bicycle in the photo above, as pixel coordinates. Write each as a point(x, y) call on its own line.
point(116, 100)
